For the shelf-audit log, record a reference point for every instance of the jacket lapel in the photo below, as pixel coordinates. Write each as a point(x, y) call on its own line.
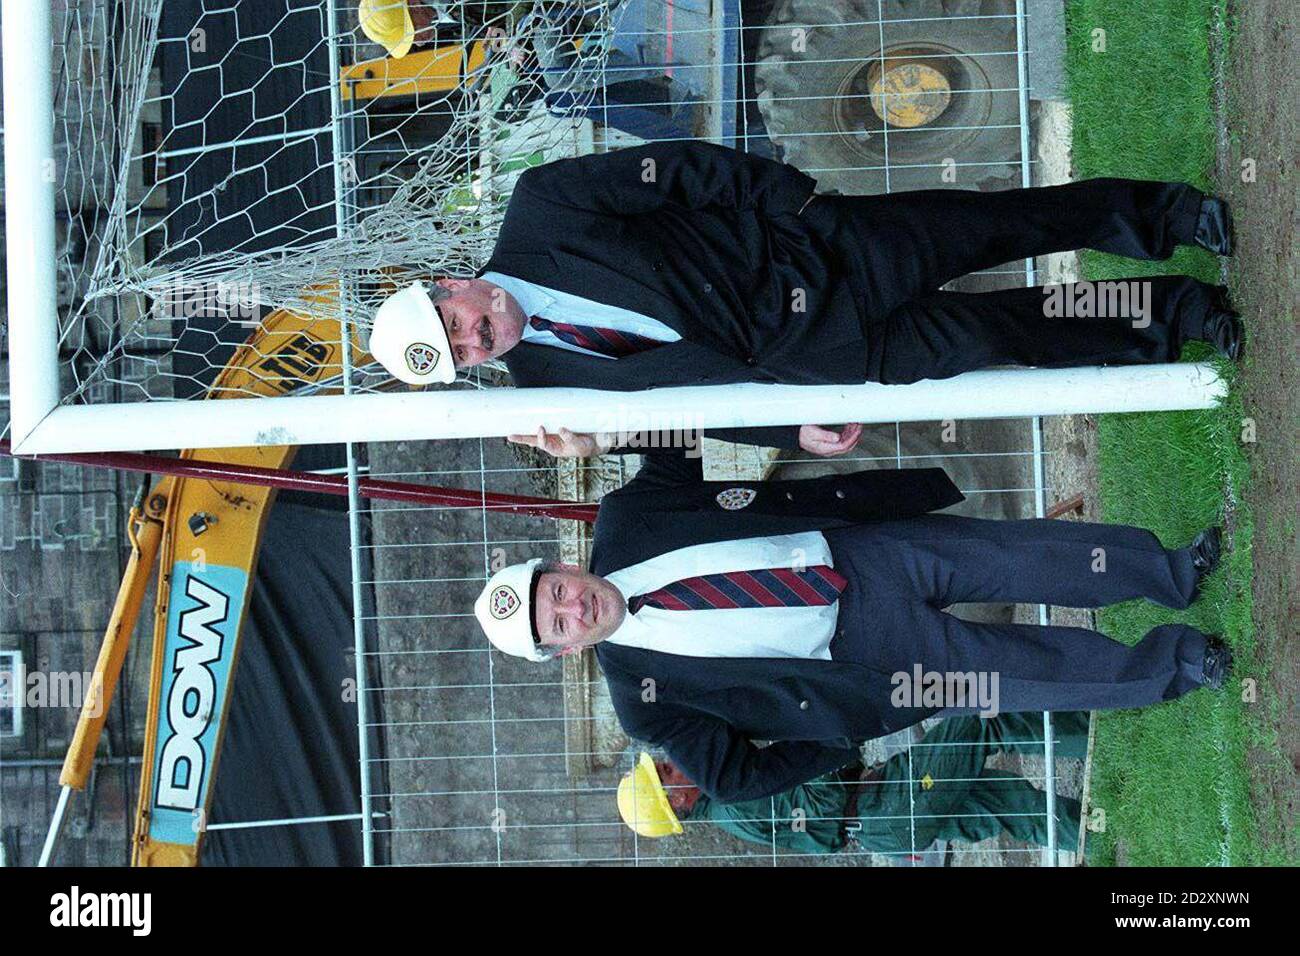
point(850, 699)
point(674, 363)
point(575, 275)
point(635, 525)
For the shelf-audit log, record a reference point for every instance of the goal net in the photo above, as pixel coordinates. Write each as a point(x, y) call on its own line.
point(216, 163)
point(260, 175)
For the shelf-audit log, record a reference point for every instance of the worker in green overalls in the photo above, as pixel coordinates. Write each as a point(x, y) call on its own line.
point(939, 789)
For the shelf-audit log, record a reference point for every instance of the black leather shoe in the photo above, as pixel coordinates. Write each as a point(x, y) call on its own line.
point(1218, 664)
point(1221, 299)
point(1206, 548)
point(1222, 327)
point(1214, 227)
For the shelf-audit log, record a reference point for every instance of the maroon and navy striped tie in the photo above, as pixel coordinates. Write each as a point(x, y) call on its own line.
point(816, 586)
point(596, 338)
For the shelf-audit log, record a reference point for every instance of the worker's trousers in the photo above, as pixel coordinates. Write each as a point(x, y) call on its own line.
point(939, 789)
point(902, 247)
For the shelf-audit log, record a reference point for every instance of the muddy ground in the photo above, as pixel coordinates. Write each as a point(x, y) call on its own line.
point(1259, 137)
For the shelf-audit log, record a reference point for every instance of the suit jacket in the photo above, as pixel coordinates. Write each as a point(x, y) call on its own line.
point(705, 711)
point(703, 238)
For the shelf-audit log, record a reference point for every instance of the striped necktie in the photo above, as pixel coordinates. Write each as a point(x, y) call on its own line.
point(596, 338)
point(816, 586)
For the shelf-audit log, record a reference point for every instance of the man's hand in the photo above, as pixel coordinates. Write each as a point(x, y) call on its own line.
point(564, 444)
point(817, 440)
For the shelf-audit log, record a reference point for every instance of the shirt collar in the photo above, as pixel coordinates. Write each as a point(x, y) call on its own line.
point(531, 298)
point(625, 584)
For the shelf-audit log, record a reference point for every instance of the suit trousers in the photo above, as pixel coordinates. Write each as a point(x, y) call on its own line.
point(903, 247)
point(902, 574)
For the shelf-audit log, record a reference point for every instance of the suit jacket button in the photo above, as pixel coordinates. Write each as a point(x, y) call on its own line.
point(658, 267)
point(750, 360)
point(839, 494)
point(707, 287)
point(789, 496)
point(803, 705)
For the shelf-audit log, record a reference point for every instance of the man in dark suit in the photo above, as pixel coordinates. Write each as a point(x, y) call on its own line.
point(686, 263)
point(810, 613)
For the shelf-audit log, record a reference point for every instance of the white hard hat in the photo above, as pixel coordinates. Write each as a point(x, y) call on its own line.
point(409, 339)
point(505, 609)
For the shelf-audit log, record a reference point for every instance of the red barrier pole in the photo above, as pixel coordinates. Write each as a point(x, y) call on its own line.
point(323, 484)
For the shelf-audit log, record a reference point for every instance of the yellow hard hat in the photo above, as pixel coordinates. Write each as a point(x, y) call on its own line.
point(388, 23)
point(642, 802)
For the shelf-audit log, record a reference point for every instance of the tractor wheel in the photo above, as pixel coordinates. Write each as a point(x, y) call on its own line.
point(873, 96)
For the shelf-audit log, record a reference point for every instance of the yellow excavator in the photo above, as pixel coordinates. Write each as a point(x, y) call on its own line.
point(204, 533)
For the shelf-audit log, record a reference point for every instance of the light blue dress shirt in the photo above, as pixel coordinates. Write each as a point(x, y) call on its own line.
point(560, 306)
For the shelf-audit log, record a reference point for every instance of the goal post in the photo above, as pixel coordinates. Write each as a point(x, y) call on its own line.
point(439, 211)
point(486, 413)
point(29, 215)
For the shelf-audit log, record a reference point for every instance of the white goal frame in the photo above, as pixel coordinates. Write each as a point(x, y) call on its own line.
point(42, 424)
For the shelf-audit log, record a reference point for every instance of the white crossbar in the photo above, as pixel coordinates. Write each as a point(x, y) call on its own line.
point(1011, 393)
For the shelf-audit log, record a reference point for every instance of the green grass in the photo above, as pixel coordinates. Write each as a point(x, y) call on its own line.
point(1173, 780)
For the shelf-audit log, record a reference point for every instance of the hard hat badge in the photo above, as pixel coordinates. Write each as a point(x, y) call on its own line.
point(421, 358)
point(504, 602)
point(733, 499)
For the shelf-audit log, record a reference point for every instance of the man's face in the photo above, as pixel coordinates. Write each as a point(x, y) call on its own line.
point(574, 609)
point(682, 792)
point(482, 320)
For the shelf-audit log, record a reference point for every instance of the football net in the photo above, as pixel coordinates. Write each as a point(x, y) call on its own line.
point(217, 165)
point(259, 176)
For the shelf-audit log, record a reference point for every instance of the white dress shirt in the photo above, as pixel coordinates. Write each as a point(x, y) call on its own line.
point(734, 632)
point(560, 306)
